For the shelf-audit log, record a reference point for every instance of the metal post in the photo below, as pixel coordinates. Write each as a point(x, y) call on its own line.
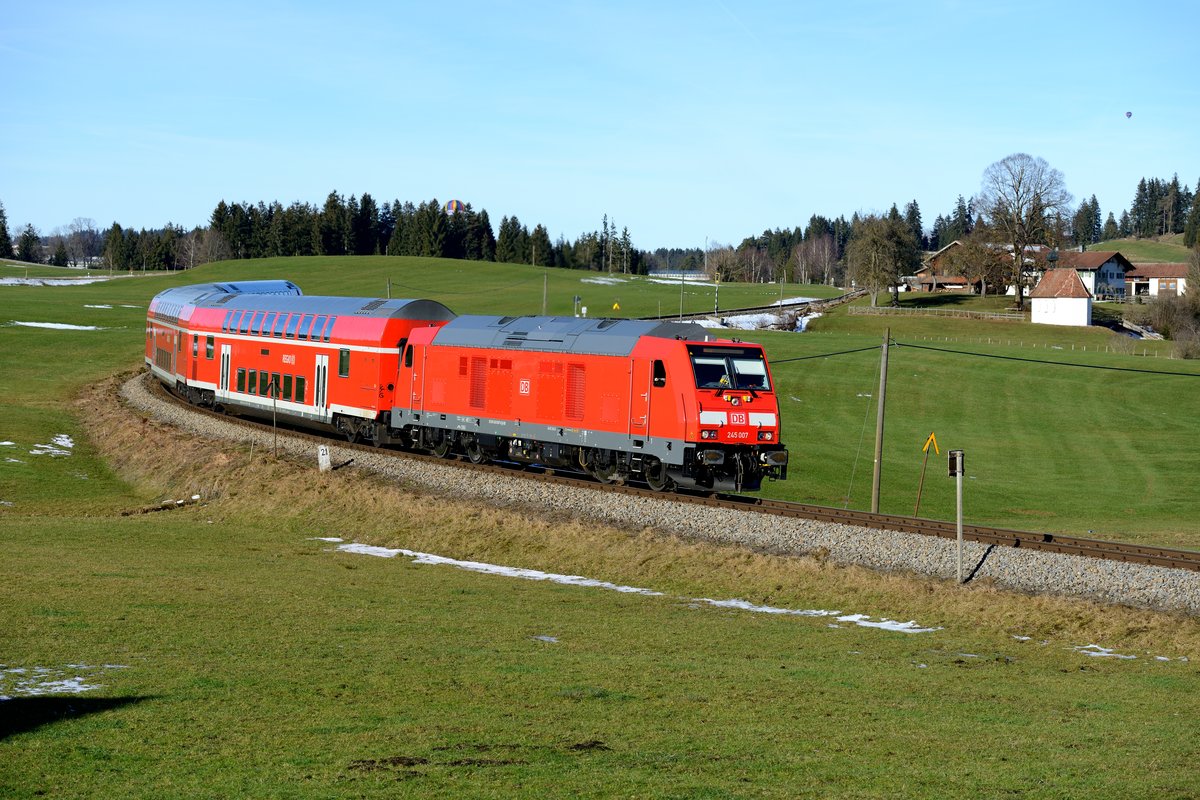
point(545, 280)
point(887, 334)
point(958, 525)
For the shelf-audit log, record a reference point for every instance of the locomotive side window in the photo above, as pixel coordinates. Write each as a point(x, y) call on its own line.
point(299, 388)
point(292, 322)
point(208, 347)
point(343, 363)
point(241, 382)
point(196, 345)
point(660, 373)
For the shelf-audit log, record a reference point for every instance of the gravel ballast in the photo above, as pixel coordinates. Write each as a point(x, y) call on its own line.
point(1028, 571)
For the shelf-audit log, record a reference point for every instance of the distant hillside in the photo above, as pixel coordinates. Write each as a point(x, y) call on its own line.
point(1162, 249)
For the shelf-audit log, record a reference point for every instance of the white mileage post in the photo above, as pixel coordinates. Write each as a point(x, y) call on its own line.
point(956, 471)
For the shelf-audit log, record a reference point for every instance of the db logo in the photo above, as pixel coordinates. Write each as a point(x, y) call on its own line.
point(524, 386)
point(737, 419)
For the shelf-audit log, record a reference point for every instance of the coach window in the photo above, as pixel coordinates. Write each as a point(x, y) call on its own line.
point(256, 322)
point(660, 373)
point(195, 345)
point(287, 387)
point(328, 329)
point(292, 322)
point(343, 363)
point(268, 322)
point(241, 383)
point(275, 384)
point(299, 388)
point(277, 331)
point(252, 386)
point(317, 326)
point(264, 383)
point(243, 324)
point(225, 322)
point(208, 347)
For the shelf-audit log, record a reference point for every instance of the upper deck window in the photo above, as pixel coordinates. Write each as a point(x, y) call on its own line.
point(730, 368)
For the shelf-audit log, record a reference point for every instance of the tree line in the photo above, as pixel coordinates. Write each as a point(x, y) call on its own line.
point(813, 253)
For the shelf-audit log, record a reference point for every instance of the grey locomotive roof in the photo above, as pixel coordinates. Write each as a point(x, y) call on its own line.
point(286, 296)
point(615, 337)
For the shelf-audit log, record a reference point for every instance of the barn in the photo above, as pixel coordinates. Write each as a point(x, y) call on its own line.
point(1061, 299)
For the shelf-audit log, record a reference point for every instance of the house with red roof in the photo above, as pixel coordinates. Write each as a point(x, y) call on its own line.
point(1156, 280)
point(1103, 272)
point(1060, 298)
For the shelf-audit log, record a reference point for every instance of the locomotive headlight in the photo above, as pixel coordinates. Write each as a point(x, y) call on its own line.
point(766, 436)
point(708, 434)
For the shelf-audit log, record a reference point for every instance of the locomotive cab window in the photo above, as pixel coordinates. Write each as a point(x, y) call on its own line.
point(660, 373)
point(408, 355)
point(343, 363)
point(729, 368)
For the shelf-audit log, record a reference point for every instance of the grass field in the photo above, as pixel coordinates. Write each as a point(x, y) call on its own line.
point(235, 655)
point(1165, 248)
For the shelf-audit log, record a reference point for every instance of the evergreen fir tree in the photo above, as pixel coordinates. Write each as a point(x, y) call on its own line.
point(6, 245)
point(912, 216)
point(1191, 230)
point(1111, 231)
point(60, 257)
point(29, 245)
point(541, 251)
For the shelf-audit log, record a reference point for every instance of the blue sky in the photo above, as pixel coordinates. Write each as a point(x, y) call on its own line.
point(682, 121)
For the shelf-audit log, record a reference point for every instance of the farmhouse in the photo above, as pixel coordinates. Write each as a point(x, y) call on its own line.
point(1061, 299)
point(1102, 271)
point(1156, 280)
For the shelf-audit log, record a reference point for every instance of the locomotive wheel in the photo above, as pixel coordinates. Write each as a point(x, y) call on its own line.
point(475, 452)
point(657, 478)
point(441, 449)
point(379, 434)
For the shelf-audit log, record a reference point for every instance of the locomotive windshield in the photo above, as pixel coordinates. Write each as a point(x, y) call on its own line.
point(730, 368)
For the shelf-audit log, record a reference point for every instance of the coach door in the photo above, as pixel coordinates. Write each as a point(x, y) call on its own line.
point(321, 384)
point(223, 381)
point(639, 398)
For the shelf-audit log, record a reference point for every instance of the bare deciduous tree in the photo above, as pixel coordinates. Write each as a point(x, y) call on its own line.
point(1023, 196)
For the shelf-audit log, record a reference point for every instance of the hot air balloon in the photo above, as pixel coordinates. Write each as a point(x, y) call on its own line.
point(454, 206)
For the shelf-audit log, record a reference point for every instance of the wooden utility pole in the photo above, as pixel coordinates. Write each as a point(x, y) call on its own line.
point(887, 334)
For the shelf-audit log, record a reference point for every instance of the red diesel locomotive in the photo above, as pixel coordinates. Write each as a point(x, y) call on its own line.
point(619, 399)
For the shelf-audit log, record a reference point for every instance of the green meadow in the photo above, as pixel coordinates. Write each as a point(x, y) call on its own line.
point(233, 654)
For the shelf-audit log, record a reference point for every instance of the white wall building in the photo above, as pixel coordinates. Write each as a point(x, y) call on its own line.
point(1061, 299)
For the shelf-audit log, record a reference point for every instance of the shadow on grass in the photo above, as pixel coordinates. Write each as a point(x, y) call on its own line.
point(936, 299)
point(24, 714)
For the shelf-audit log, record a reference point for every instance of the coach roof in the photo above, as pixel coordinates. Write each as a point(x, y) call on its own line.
point(286, 296)
point(615, 337)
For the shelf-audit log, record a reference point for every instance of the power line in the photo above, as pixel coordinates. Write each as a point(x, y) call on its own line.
point(1044, 361)
point(775, 361)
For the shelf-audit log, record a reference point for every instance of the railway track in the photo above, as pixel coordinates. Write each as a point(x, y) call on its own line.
point(810, 306)
point(994, 537)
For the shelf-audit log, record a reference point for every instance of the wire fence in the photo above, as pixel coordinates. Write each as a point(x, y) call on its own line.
point(892, 311)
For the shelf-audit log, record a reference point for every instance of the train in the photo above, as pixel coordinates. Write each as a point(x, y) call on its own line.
point(658, 403)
